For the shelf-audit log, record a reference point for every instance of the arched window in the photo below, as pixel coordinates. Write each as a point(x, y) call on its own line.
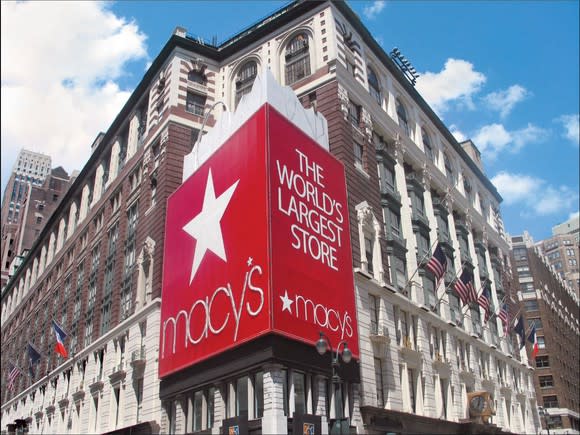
point(449, 169)
point(427, 145)
point(297, 59)
point(402, 115)
point(245, 79)
point(374, 87)
point(196, 76)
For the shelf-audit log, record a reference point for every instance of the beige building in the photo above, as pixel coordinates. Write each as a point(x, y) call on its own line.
point(97, 262)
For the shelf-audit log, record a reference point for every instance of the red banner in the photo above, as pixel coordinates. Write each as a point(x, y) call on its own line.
point(268, 189)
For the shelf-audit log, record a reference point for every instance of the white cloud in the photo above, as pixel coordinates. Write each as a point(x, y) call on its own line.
point(374, 9)
point(534, 195)
point(60, 67)
point(574, 215)
point(571, 125)
point(458, 134)
point(457, 82)
point(493, 139)
point(504, 101)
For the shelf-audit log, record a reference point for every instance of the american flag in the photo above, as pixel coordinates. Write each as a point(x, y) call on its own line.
point(485, 301)
point(12, 376)
point(438, 264)
point(464, 287)
point(504, 315)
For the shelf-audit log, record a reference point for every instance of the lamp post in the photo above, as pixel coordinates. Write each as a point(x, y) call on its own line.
point(322, 345)
point(544, 414)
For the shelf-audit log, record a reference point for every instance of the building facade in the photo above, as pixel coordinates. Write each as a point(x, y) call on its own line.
point(30, 169)
point(562, 251)
point(549, 303)
point(32, 209)
point(97, 263)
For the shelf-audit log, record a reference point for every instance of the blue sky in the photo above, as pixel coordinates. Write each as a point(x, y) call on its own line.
point(504, 74)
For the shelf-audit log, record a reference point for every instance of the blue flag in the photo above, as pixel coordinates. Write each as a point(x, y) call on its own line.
point(33, 359)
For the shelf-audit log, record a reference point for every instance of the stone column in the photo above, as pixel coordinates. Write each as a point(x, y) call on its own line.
point(274, 420)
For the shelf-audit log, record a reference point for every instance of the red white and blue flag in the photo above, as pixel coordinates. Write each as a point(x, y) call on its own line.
point(533, 338)
point(13, 374)
point(60, 337)
point(484, 301)
point(438, 264)
point(504, 316)
point(464, 287)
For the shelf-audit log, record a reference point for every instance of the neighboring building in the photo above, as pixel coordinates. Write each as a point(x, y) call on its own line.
point(96, 266)
point(563, 253)
point(571, 226)
point(30, 167)
point(551, 305)
point(34, 208)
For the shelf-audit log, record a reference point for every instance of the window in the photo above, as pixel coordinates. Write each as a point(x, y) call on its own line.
point(527, 287)
point(259, 395)
point(398, 272)
point(541, 342)
point(546, 381)
point(297, 58)
point(195, 103)
point(449, 170)
point(374, 313)
point(196, 76)
point(242, 396)
point(393, 222)
point(531, 305)
point(245, 79)
point(542, 361)
point(358, 155)
point(374, 87)
point(402, 117)
point(354, 112)
point(427, 145)
point(299, 382)
point(411, 375)
point(572, 262)
point(536, 322)
point(379, 386)
point(550, 401)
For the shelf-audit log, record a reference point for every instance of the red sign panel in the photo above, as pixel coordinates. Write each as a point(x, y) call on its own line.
point(257, 241)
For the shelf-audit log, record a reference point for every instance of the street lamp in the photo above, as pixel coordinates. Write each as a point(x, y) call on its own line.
point(544, 414)
point(323, 344)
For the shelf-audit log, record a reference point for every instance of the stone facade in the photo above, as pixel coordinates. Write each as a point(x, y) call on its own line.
point(97, 263)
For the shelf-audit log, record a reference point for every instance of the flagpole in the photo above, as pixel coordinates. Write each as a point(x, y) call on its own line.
point(410, 280)
point(478, 295)
point(500, 305)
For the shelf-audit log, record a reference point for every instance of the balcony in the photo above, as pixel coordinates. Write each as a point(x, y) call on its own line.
point(408, 350)
point(96, 384)
point(118, 373)
point(138, 356)
point(379, 336)
point(79, 392)
point(441, 364)
point(467, 374)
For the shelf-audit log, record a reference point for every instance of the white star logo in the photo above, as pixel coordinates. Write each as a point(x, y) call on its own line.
point(205, 228)
point(286, 302)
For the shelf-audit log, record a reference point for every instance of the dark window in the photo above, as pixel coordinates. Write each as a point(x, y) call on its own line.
point(358, 155)
point(379, 383)
point(354, 113)
point(531, 305)
point(428, 148)
point(196, 77)
point(546, 381)
point(550, 401)
point(402, 116)
point(245, 79)
point(297, 59)
point(195, 103)
point(542, 361)
point(374, 87)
